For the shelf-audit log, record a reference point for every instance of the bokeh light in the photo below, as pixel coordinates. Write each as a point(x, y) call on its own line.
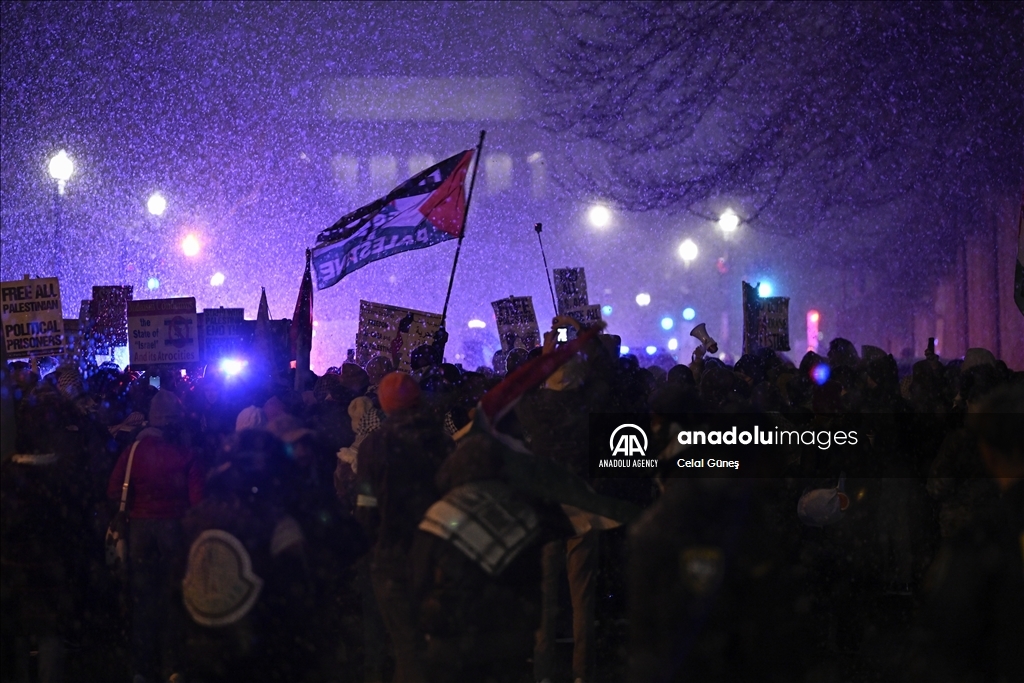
point(156, 204)
point(152, 283)
point(689, 313)
point(232, 366)
point(606, 310)
point(820, 373)
point(673, 344)
point(688, 250)
point(600, 216)
point(651, 350)
point(764, 289)
point(643, 299)
point(728, 221)
point(476, 324)
point(190, 245)
point(623, 350)
point(218, 279)
point(667, 323)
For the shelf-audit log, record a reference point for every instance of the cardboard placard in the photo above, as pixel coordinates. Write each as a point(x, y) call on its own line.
point(393, 332)
point(162, 331)
point(224, 332)
point(33, 324)
point(765, 321)
point(516, 322)
point(570, 289)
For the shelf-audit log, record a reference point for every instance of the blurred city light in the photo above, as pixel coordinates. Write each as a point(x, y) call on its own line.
point(600, 216)
point(643, 299)
point(218, 279)
point(623, 350)
point(232, 366)
point(190, 245)
point(764, 289)
point(651, 350)
point(476, 324)
point(820, 373)
point(688, 250)
point(156, 204)
point(61, 167)
point(728, 221)
point(606, 310)
point(152, 283)
point(667, 323)
point(689, 313)
point(673, 344)
point(812, 330)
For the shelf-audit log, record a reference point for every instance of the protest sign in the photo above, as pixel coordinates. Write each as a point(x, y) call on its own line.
point(393, 332)
point(109, 314)
point(32, 321)
point(162, 331)
point(517, 323)
point(570, 289)
point(223, 332)
point(765, 321)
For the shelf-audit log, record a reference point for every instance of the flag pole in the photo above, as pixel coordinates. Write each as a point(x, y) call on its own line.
point(547, 272)
point(462, 232)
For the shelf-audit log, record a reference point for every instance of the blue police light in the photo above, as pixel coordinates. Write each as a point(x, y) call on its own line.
point(623, 350)
point(606, 310)
point(820, 373)
point(764, 289)
point(232, 366)
point(152, 283)
point(651, 350)
point(667, 323)
point(689, 313)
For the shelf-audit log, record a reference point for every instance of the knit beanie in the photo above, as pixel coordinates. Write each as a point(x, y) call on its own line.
point(354, 378)
point(251, 418)
point(398, 391)
point(165, 409)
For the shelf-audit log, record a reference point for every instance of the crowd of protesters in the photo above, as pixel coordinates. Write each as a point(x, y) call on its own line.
point(377, 525)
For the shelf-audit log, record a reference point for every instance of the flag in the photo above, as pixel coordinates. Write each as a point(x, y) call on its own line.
point(425, 210)
point(301, 332)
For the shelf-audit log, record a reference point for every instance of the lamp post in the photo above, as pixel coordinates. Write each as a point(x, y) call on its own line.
point(61, 167)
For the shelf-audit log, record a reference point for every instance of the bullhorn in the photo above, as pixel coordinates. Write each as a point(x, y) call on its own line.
point(701, 334)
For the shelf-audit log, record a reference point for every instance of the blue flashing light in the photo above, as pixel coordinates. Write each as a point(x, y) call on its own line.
point(651, 350)
point(606, 310)
point(232, 366)
point(667, 323)
point(152, 283)
point(764, 289)
point(689, 313)
point(820, 373)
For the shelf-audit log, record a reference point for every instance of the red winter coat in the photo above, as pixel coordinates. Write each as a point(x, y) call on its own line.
point(166, 479)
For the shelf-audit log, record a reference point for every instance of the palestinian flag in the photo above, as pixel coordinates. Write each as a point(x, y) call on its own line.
point(425, 210)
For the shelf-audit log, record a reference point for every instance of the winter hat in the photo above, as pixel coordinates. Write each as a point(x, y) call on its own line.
point(274, 408)
point(130, 424)
point(354, 378)
point(69, 382)
point(975, 357)
point(377, 368)
point(323, 387)
point(165, 409)
point(398, 391)
point(251, 418)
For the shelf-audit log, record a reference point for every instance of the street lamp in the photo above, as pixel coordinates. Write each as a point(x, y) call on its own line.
point(600, 216)
point(688, 251)
point(190, 245)
point(61, 167)
point(728, 221)
point(156, 205)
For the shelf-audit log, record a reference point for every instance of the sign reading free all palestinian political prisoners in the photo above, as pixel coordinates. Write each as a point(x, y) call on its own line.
point(517, 323)
point(765, 321)
point(162, 331)
point(32, 320)
point(393, 332)
point(570, 289)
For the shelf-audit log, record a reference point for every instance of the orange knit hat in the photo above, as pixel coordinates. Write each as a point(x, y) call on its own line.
point(398, 391)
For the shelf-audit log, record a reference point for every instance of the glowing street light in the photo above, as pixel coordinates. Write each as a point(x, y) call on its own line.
point(689, 313)
point(651, 350)
point(156, 205)
point(667, 323)
point(476, 324)
point(190, 245)
point(673, 344)
point(688, 250)
point(764, 289)
point(218, 279)
point(728, 221)
point(61, 167)
point(600, 216)
point(643, 299)
point(152, 283)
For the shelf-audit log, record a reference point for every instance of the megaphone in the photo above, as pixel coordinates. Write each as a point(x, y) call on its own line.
point(701, 334)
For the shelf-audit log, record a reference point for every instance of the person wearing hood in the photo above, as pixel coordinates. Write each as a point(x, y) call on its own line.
point(396, 464)
point(166, 479)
